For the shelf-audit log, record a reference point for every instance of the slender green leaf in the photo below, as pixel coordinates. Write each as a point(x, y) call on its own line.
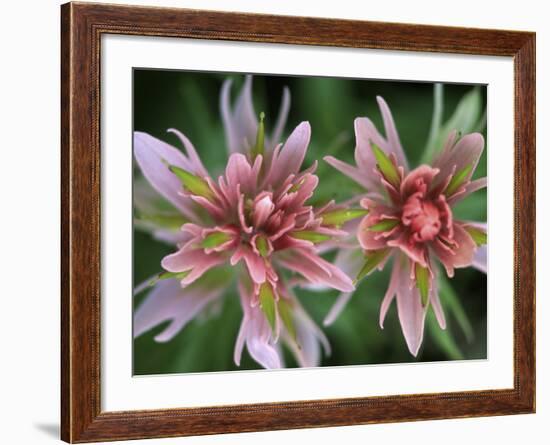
point(478, 235)
point(422, 282)
point(262, 246)
point(451, 302)
point(341, 216)
point(457, 180)
point(267, 304)
point(215, 239)
point(372, 259)
point(259, 146)
point(285, 312)
point(168, 275)
point(384, 225)
point(308, 235)
point(386, 166)
point(443, 338)
point(195, 185)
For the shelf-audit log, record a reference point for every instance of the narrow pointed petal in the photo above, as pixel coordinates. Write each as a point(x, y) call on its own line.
point(469, 188)
point(396, 274)
point(465, 153)
point(350, 262)
point(192, 154)
point(288, 160)
point(316, 269)
point(411, 313)
point(239, 171)
point(480, 259)
point(152, 154)
point(438, 310)
point(365, 134)
point(309, 339)
point(254, 263)
point(194, 260)
point(391, 133)
point(337, 308)
point(352, 172)
point(240, 123)
point(281, 120)
point(263, 208)
point(168, 301)
point(256, 333)
point(461, 256)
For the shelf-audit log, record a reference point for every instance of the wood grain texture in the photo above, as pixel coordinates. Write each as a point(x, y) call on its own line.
point(82, 27)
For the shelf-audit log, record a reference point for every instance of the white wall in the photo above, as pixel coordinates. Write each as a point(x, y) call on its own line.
point(29, 235)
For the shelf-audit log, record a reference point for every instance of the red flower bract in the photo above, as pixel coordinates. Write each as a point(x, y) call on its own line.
point(419, 221)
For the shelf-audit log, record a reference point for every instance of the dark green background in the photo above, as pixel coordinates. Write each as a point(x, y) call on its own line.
point(189, 101)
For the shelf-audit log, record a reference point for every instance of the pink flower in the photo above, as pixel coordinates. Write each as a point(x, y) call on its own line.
point(411, 219)
point(255, 216)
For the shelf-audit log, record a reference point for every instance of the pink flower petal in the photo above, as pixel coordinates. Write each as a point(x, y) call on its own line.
point(469, 188)
point(410, 311)
point(316, 269)
point(436, 304)
point(275, 137)
point(256, 333)
point(309, 339)
point(254, 263)
point(466, 152)
point(365, 134)
point(239, 171)
point(350, 171)
point(396, 274)
point(241, 123)
point(288, 160)
point(391, 134)
point(461, 256)
point(150, 153)
point(168, 301)
point(350, 262)
point(194, 260)
point(262, 209)
point(196, 164)
point(417, 180)
point(480, 259)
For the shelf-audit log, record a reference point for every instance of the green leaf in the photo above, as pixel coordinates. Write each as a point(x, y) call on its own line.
point(168, 275)
point(443, 338)
point(372, 259)
point(435, 127)
point(478, 235)
point(166, 221)
point(457, 180)
point(422, 282)
point(451, 302)
point(341, 216)
point(308, 235)
point(386, 166)
point(259, 147)
point(465, 119)
point(195, 185)
point(215, 239)
point(297, 186)
point(262, 246)
point(285, 312)
point(384, 225)
point(267, 304)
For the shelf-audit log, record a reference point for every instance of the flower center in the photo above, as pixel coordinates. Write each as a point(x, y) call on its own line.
point(423, 217)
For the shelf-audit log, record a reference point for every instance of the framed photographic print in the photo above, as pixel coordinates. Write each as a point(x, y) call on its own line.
point(278, 222)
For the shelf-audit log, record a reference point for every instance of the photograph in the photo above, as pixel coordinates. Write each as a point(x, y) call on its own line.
point(300, 221)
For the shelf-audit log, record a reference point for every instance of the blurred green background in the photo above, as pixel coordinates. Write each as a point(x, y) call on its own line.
point(189, 101)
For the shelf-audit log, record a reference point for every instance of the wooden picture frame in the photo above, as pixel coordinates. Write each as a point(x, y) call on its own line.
point(82, 26)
